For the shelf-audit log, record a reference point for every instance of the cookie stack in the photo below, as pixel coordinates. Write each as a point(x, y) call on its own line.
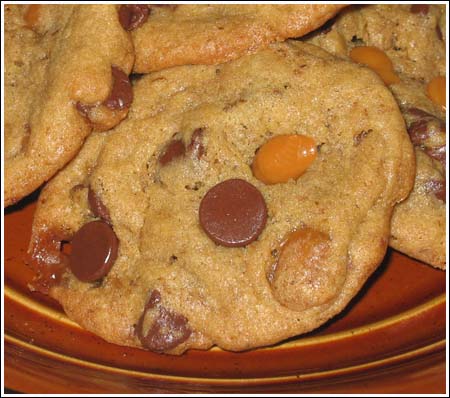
point(209, 182)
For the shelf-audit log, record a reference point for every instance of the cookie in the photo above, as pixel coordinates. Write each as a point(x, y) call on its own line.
point(66, 73)
point(172, 35)
point(237, 205)
point(409, 44)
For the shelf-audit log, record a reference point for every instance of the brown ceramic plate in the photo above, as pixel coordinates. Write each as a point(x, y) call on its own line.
point(391, 339)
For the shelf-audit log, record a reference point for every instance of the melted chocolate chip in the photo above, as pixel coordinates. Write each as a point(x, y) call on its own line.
point(419, 132)
point(121, 95)
point(172, 151)
point(426, 131)
point(439, 33)
point(196, 147)
point(233, 213)
point(47, 260)
point(167, 329)
point(94, 251)
point(438, 153)
point(97, 207)
point(436, 187)
point(420, 9)
point(132, 16)
point(84, 109)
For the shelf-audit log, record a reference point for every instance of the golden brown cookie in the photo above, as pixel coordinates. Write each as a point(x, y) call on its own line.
point(237, 205)
point(410, 39)
point(171, 35)
point(66, 73)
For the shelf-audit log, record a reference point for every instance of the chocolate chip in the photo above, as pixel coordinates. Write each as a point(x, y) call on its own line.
point(357, 139)
point(167, 329)
point(420, 9)
point(131, 16)
point(439, 33)
point(121, 95)
point(196, 147)
point(419, 132)
point(233, 213)
point(172, 151)
point(97, 207)
point(438, 153)
point(423, 125)
point(436, 187)
point(94, 251)
point(84, 109)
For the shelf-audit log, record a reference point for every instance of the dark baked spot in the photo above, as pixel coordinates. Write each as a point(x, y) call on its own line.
point(160, 329)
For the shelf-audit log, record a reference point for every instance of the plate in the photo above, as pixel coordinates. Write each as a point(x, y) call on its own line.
point(390, 339)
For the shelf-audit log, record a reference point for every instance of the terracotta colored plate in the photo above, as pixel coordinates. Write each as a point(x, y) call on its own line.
point(391, 339)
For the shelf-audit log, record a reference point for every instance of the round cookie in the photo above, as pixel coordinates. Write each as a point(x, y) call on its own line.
point(175, 181)
point(66, 73)
point(172, 35)
point(412, 38)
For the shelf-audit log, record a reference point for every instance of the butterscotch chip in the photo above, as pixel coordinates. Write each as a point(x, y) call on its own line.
point(214, 33)
point(59, 59)
point(204, 251)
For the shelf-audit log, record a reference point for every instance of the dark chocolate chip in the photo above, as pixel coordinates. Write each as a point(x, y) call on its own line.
point(233, 213)
point(172, 151)
point(131, 16)
point(167, 329)
point(121, 95)
point(97, 207)
point(84, 109)
point(94, 251)
point(438, 153)
point(436, 187)
point(419, 132)
point(420, 9)
point(422, 126)
point(196, 147)
point(439, 33)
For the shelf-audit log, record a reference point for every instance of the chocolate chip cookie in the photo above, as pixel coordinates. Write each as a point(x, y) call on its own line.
point(405, 45)
point(171, 35)
point(238, 205)
point(66, 73)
